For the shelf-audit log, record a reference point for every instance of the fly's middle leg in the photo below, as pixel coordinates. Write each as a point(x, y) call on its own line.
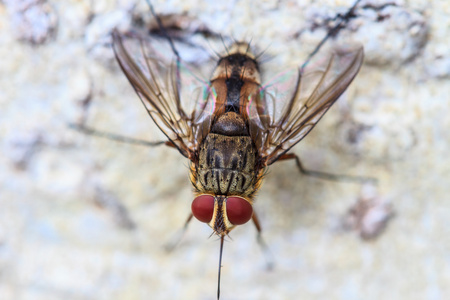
point(116, 137)
point(325, 175)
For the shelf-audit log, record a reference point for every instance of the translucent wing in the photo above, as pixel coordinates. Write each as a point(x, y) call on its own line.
point(277, 129)
point(158, 84)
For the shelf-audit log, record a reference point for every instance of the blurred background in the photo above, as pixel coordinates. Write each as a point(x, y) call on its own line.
point(83, 217)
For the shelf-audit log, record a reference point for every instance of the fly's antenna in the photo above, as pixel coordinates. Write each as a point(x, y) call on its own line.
point(332, 32)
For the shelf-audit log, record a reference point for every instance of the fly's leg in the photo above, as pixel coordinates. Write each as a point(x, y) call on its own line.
point(262, 243)
point(343, 20)
point(116, 137)
point(164, 31)
point(176, 239)
point(172, 45)
point(327, 176)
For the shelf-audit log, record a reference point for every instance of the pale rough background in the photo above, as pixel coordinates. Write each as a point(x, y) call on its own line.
point(57, 242)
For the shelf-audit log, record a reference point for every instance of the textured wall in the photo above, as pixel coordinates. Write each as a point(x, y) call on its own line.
point(87, 218)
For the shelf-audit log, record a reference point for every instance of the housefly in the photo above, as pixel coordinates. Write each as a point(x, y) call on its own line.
point(233, 126)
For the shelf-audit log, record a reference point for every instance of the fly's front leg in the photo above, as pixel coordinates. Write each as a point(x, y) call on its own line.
point(262, 243)
point(176, 239)
point(327, 176)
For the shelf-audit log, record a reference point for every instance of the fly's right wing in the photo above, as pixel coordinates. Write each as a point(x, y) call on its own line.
point(285, 121)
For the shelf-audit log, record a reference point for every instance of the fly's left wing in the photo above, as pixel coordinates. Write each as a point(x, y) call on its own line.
point(283, 123)
point(158, 85)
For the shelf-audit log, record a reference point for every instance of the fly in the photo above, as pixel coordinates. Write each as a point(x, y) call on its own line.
point(235, 128)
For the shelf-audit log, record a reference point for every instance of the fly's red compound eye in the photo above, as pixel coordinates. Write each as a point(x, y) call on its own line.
point(203, 208)
point(239, 211)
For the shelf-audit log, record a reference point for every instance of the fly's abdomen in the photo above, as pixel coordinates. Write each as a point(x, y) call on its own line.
point(236, 80)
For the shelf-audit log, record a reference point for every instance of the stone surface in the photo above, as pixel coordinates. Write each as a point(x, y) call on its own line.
point(87, 218)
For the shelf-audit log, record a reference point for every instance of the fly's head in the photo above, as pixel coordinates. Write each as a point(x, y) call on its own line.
point(222, 213)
